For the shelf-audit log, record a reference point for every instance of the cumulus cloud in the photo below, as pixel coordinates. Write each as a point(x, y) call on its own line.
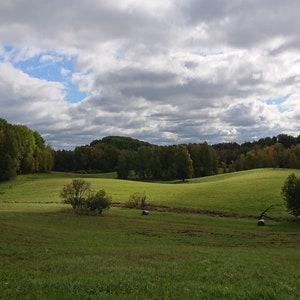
point(162, 71)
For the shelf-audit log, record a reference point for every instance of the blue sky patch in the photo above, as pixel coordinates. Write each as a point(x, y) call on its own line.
point(278, 101)
point(51, 67)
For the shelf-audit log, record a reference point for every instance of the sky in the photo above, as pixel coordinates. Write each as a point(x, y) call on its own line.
point(166, 72)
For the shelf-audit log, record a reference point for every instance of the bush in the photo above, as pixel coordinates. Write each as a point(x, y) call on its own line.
point(291, 194)
point(136, 200)
point(75, 193)
point(98, 201)
point(79, 195)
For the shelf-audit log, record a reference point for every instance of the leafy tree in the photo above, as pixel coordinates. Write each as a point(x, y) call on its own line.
point(79, 195)
point(196, 156)
point(294, 157)
point(279, 155)
point(22, 151)
point(75, 193)
point(46, 159)
point(167, 162)
point(144, 160)
point(291, 194)
point(209, 160)
point(9, 162)
point(64, 160)
point(184, 163)
point(82, 155)
point(125, 161)
point(286, 140)
point(98, 201)
point(26, 146)
point(155, 168)
point(110, 158)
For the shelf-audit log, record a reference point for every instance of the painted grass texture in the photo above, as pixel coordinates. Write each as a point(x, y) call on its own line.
point(48, 252)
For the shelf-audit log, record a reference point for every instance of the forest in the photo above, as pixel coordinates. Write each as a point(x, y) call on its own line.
point(24, 151)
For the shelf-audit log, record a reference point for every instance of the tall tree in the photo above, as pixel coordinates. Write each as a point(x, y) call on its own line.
point(125, 164)
point(22, 151)
point(26, 147)
point(143, 160)
point(195, 151)
point(9, 162)
point(183, 162)
point(209, 160)
point(291, 194)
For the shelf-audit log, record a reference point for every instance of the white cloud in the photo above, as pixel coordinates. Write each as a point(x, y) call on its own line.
point(163, 71)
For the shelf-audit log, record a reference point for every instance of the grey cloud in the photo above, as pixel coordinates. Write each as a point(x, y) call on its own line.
point(150, 73)
point(200, 10)
point(135, 76)
point(245, 115)
point(74, 24)
point(246, 23)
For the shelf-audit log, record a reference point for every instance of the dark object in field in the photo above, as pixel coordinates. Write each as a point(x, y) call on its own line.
point(263, 214)
point(261, 222)
point(145, 212)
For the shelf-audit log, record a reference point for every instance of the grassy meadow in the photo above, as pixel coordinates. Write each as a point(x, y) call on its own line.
point(49, 252)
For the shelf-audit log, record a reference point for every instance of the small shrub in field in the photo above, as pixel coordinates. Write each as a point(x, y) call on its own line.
point(136, 200)
point(98, 201)
point(79, 195)
point(75, 193)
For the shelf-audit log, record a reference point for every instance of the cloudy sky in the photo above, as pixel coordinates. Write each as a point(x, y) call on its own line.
point(165, 72)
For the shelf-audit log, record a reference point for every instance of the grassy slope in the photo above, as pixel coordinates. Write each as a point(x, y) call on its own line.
point(48, 253)
point(247, 192)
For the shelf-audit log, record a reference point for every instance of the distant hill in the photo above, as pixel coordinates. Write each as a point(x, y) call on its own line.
point(121, 142)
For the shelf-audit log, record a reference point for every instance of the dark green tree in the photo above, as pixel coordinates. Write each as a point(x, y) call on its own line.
point(291, 194)
point(167, 162)
point(9, 163)
point(143, 162)
point(98, 201)
point(209, 165)
point(125, 164)
point(183, 163)
point(110, 158)
point(195, 153)
point(26, 148)
point(64, 160)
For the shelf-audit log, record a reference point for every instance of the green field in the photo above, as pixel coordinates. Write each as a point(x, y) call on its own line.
point(49, 252)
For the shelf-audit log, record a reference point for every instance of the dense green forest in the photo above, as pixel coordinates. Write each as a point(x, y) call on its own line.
point(129, 156)
point(24, 151)
point(124, 155)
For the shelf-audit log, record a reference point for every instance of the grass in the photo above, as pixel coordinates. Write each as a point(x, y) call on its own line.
point(48, 252)
point(248, 192)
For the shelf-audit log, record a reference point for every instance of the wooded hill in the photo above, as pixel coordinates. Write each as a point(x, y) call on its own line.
point(125, 154)
point(131, 157)
point(24, 151)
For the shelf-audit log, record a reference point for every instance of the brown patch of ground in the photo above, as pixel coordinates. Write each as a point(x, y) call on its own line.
point(186, 210)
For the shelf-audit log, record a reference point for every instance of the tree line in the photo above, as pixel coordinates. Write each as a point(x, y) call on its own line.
point(127, 155)
point(130, 157)
point(22, 151)
point(282, 151)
